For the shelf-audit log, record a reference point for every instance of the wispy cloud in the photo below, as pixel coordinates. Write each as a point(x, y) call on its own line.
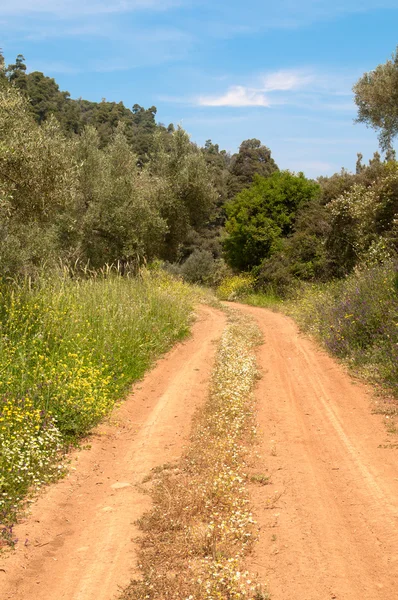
point(319, 141)
point(301, 88)
point(286, 80)
point(240, 95)
point(57, 67)
point(233, 19)
point(237, 95)
point(312, 168)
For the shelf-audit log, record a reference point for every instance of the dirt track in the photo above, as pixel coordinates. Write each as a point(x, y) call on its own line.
point(328, 521)
point(333, 532)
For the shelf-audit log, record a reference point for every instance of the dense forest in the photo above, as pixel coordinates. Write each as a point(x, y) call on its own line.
point(89, 183)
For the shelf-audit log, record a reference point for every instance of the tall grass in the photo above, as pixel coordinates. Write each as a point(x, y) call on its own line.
point(357, 320)
point(68, 350)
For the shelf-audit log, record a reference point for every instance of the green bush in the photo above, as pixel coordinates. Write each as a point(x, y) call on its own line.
point(235, 287)
point(261, 216)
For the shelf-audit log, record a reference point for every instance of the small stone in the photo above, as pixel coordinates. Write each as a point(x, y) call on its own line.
point(120, 485)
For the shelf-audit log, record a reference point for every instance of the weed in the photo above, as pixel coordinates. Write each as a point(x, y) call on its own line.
point(235, 287)
point(269, 300)
point(260, 479)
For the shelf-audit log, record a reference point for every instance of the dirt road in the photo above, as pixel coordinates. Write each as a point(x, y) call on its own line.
point(80, 534)
point(329, 519)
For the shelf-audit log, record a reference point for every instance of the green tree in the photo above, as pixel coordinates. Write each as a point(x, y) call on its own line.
point(253, 158)
point(188, 195)
point(260, 216)
point(302, 255)
point(376, 96)
point(121, 214)
point(364, 222)
point(16, 72)
point(37, 184)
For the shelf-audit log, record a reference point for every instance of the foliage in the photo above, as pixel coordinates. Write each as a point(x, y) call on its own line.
point(264, 300)
point(235, 287)
point(354, 222)
point(200, 268)
point(122, 219)
point(188, 197)
point(259, 217)
point(356, 319)
point(302, 256)
point(38, 182)
point(337, 184)
point(364, 222)
point(253, 158)
point(69, 350)
point(46, 100)
point(376, 96)
point(69, 198)
point(177, 189)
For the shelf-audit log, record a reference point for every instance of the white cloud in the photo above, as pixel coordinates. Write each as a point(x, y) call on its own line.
point(236, 96)
point(278, 81)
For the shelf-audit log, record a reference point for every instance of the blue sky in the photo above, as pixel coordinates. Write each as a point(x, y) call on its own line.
point(279, 71)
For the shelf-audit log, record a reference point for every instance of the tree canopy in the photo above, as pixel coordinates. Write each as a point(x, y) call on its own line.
point(260, 216)
point(376, 96)
point(253, 158)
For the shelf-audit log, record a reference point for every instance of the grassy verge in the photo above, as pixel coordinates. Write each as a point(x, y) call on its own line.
point(200, 527)
point(262, 300)
point(356, 319)
point(69, 350)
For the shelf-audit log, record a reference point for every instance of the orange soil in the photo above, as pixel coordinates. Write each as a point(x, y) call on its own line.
point(333, 532)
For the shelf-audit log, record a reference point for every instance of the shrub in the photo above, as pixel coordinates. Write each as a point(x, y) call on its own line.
point(198, 267)
point(261, 216)
point(235, 287)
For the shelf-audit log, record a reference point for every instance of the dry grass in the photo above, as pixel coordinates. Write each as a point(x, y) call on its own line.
point(200, 526)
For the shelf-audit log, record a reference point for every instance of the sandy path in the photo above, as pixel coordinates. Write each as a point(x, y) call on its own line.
point(333, 533)
point(80, 534)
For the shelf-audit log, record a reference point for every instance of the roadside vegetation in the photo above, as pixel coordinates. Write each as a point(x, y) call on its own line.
point(200, 528)
point(356, 319)
point(69, 350)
